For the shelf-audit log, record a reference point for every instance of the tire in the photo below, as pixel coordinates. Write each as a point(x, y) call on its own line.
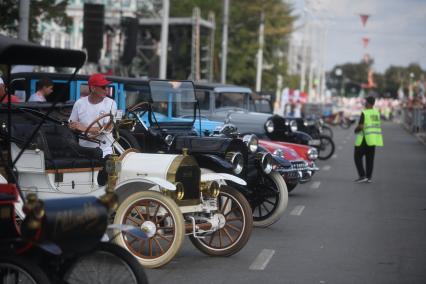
point(291, 186)
point(326, 149)
point(345, 123)
point(327, 131)
point(16, 269)
point(127, 140)
point(230, 201)
point(270, 202)
point(166, 241)
point(108, 263)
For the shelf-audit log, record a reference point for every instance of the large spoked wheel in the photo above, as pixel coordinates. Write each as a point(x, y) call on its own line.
point(270, 200)
point(326, 148)
point(327, 131)
point(236, 230)
point(345, 123)
point(16, 269)
point(160, 219)
point(108, 263)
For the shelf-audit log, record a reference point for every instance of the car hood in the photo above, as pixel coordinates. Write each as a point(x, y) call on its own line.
point(289, 153)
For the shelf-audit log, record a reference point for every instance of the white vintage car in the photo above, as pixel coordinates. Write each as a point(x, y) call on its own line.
point(166, 196)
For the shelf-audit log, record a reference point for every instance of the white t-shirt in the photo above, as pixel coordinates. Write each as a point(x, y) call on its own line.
point(37, 97)
point(85, 112)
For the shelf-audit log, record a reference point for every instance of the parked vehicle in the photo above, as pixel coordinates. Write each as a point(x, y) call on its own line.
point(45, 245)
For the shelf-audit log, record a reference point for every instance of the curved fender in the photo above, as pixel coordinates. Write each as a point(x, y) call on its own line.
point(153, 180)
point(222, 176)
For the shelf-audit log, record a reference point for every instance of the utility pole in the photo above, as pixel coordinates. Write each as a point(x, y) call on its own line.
point(211, 47)
point(260, 53)
point(24, 15)
point(164, 39)
point(224, 41)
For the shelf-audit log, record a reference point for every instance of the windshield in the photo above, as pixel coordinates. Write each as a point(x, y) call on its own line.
point(233, 100)
point(170, 98)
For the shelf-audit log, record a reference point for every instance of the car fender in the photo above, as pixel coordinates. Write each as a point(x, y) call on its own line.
point(147, 181)
point(210, 176)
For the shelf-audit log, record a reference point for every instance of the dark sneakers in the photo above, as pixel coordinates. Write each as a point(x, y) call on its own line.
point(361, 179)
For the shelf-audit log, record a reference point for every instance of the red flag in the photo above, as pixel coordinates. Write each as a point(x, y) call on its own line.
point(365, 41)
point(364, 18)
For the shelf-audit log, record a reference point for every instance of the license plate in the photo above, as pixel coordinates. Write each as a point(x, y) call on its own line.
point(315, 142)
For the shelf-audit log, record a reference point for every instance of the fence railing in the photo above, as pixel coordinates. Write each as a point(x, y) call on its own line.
point(414, 119)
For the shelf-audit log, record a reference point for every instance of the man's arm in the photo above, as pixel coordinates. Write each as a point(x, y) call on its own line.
point(360, 125)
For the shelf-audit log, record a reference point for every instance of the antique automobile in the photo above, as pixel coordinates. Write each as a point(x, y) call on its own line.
point(159, 128)
point(231, 104)
point(301, 157)
point(44, 246)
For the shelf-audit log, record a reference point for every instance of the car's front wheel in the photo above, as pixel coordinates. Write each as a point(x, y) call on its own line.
point(270, 200)
point(236, 231)
point(157, 216)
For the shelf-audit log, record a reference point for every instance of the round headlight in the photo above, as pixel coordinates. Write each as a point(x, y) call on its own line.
point(169, 139)
point(279, 152)
point(252, 142)
point(266, 163)
point(293, 126)
point(237, 161)
point(312, 154)
point(269, 126)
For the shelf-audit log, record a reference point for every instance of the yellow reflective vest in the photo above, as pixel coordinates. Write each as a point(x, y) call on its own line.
point(372, 129)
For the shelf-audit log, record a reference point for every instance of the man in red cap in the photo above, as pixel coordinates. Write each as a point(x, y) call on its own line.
point(87, 109)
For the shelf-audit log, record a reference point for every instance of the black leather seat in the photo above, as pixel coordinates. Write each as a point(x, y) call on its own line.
point(60, 146)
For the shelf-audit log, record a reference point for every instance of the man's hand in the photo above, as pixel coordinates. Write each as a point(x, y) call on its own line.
point(75, 125)
point(359, 128)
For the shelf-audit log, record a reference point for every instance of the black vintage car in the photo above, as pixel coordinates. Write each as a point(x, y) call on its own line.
point(157, 107)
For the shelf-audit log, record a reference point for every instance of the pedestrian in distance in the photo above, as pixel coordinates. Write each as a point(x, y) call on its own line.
point(44, 88)
point(368, 136)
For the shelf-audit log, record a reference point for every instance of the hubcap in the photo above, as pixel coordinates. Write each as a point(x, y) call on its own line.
point(149, 228)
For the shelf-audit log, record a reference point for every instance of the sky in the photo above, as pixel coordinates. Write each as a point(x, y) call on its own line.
point(396, 29)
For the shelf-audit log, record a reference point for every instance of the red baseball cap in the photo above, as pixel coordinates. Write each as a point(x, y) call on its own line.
point(98, 80)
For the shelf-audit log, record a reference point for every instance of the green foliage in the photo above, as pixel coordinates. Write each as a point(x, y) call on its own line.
point(243, 32)
point(40, 10)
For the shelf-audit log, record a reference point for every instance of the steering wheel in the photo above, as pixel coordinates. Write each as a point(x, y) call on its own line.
point(136, 106)
point(102, 128)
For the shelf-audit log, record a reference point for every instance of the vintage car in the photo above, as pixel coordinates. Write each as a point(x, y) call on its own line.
point(45, 247)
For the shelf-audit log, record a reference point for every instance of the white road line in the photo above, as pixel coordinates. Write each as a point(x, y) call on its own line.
point(334, 156)
point(262, 259)
point(344, 141)
point(315, 184)
point(297, 211)
point(339, 147)
point(326, 168)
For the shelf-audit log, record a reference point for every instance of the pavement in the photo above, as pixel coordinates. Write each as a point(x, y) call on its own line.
point(334, 230)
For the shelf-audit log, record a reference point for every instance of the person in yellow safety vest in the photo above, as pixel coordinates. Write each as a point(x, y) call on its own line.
point(368, 136)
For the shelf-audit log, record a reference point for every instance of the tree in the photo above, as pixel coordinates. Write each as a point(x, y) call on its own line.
point(40, 10)
point(244, 20)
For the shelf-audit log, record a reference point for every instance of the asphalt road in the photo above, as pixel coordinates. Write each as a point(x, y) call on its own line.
point(334, 230)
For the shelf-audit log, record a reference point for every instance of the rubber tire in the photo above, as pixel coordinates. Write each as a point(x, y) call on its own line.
point(283, 201)
point(116, 251)
point(176, 214)
point(247, 228)
point(331, 143)
point(327, 131)
point(131, 140)
point(345, 123)
point(291, 186)
point(33, 270)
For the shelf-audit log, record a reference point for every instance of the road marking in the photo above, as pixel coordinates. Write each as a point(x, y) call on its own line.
point(326, 168)
point(344, 141)
point(315, 184)
point(297, 211)
point(262, 259)
point(339, 147)
point(334, 156)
